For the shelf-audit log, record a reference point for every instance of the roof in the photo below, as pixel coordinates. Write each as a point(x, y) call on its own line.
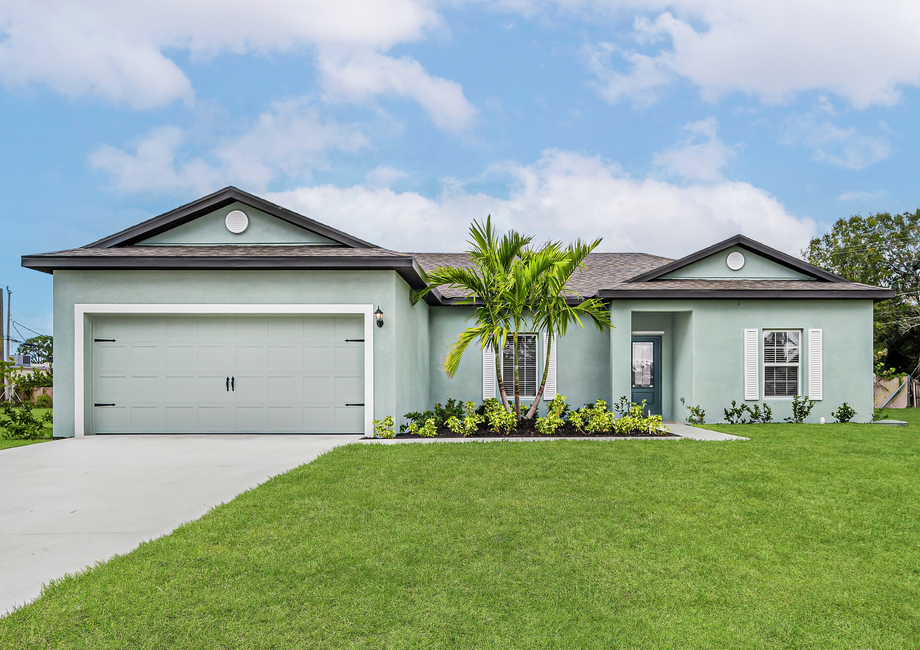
point(605, 275)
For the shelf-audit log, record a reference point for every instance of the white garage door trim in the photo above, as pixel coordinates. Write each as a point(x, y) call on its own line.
point(82, 310)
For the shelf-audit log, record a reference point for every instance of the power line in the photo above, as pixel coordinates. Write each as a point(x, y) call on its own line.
point(28, 329)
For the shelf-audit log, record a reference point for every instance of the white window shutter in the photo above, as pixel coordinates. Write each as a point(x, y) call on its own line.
point(550, 391)
point(488, 372)
point(815, 366)
point(751, 364)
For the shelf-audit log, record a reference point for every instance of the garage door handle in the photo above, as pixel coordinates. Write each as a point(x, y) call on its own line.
point(228, 384)
point(361, 404)
point(103, 405)
point(233, 384)
point(354, 340)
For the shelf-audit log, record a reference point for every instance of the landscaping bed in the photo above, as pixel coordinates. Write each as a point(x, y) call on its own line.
point(530, 433)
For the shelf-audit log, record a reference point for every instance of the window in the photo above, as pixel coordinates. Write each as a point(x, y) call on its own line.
point(781, 361)
point(527, 365)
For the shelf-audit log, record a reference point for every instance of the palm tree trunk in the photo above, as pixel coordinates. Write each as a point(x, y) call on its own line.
point(501, 382)
point(517, 381)
point(536, 402)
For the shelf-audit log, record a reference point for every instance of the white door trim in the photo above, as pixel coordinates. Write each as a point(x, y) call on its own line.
point(81, 310)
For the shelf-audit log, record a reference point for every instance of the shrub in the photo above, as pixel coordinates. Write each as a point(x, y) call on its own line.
point(801, 407)
point(427, 430)
point(416, 418)
point(735, 415)
point(697, 415)
point(21, 423)
point(500, 420)
point(655, 424)
point(453, 409)
point(384, 428)
point(43, 401)
point(555, 416)
point(599, 419)
point(622, 406)
point(470, 422)
point(761, 415)
point(844, 413)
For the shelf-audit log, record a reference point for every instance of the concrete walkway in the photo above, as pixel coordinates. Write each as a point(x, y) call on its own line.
point(683, 431)
point(67, 504)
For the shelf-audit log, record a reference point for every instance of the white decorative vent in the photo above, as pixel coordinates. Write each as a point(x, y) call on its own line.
point(236, 221)
point(735, 261)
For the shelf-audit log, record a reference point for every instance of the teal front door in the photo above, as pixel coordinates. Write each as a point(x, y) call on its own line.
point(646, 372)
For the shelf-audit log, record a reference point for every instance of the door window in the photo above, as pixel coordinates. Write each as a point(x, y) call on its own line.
point(643, 364)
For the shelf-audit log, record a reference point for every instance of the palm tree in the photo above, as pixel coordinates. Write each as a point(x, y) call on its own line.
point(553, 308)
point(486, 284)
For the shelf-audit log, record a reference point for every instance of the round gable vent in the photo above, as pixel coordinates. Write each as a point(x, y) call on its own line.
point(735, 261)
point(236, 221)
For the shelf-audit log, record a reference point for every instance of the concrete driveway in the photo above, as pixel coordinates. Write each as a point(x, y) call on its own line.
point(67, 504)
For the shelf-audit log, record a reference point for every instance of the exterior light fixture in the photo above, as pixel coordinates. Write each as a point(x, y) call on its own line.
point(378, 316)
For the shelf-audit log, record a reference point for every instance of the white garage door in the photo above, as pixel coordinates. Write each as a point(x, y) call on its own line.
point(228, 374)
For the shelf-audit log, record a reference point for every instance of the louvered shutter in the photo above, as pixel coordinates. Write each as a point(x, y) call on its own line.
point(550, 391)
point(751, 364)
point(488, 372)
point(815, 366)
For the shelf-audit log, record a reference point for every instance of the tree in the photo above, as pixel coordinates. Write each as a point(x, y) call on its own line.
point(40, 348)
point(486, 285)
point(883, 250)
point(555, 307)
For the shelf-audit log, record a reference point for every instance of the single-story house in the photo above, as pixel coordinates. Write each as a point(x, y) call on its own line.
point(232, 314)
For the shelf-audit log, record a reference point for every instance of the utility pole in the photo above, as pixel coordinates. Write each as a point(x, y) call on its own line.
point(2, 344)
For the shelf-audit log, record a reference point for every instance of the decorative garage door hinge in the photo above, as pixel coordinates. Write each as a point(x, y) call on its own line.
point(103, 340)
point(103, 405)
point(361, 404)
point(354, 340)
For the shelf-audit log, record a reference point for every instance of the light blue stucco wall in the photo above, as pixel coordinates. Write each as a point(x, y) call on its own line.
point(755, 267)
point(400, 347)
point(582, 374)
point(703, 348)
point(210, 229)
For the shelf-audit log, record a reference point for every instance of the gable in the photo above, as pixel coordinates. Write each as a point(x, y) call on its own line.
point(715, 267)
point(211, 230)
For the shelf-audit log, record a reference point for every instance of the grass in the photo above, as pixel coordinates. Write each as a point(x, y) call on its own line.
point(807, 536)
point(49, 431)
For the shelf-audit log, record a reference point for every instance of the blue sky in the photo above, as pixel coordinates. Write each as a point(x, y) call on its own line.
point(660, 126)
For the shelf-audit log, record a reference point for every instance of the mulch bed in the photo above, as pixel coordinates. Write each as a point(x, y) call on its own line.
point(531, 432)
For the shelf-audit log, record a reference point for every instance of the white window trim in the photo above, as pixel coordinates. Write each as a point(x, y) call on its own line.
point(539, 375)
point(82, 310)
point(763, 364)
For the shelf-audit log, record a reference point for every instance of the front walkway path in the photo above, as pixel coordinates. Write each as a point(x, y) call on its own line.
point(67, 504)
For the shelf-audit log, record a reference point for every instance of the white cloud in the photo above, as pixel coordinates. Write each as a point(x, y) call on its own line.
point(384, 175)
point(358, 77)
point(289, 141)
point(857, 195)
point(563, 195)
point(700, 156)
point(642, 85)
point(119, 50)
point(841, 147)
point(771, 50)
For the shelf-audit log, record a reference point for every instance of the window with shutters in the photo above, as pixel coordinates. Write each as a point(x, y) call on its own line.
point(781, 362)
point(527, 366)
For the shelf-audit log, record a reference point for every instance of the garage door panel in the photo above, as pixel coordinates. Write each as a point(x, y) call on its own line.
point(319, 329)
point(180, 357)
point(319, 419)
point(110, 357)
point(213, 357)
point(146, 388)
point(319, 388)
point(181, 419)
point(349, 358)
point(349, 327)
point(349, 418)
point(182, 387)
point(318, 357)
point(169, 374)
point(349, 389)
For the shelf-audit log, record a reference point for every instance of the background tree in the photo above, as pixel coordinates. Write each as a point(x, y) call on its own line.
point(40, 347)
point(883, 250)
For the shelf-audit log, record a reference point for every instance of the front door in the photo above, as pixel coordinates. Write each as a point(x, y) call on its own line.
point(646, 372)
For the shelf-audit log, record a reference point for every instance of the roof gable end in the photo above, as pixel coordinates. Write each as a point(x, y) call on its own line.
point(154, 231)
point(762, 263)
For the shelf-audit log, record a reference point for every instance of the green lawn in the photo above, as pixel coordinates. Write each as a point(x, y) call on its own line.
point(805, 537)
point(7, 444)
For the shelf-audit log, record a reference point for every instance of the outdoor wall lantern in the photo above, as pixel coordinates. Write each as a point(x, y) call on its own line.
point(378, 316)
